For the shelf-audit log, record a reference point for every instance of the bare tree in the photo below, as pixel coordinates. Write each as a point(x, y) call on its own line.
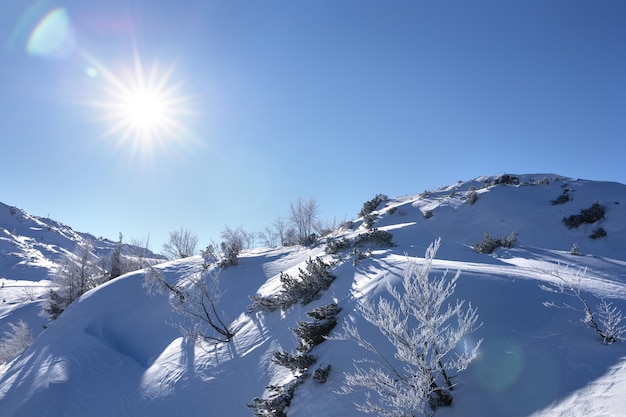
point(280, 226)
point(303, 216)
point(269, 237)
point(424, 331)
point(196, 298)
point(139, 254)
point(181, 244)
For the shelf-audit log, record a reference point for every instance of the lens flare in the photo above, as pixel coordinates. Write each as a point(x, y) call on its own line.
point(53, 36)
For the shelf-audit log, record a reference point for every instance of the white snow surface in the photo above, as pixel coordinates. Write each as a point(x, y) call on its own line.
point(117, 351)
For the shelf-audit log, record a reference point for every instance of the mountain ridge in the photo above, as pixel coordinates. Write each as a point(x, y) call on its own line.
point(117, 350)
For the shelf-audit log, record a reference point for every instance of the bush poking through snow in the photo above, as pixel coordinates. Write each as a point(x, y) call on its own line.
point(598, 233)
point(563, 198)
point(369, 219)
point(15, 340)
point(277, 401)
point(336, 246)
point(489, 244)
point(320, 375)
point(304, 288)
point(471, 197)
point(372, 205)
point(590, 215)
point(374, 237)
point(311, 334)
point(606, 320)
point(297, 362)
point(424, 332)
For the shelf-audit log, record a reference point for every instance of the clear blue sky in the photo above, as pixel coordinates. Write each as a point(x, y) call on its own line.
point(259, 103)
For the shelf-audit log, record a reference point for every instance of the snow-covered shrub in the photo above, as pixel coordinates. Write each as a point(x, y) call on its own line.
point(233, 242)
point(489, 244)
point(424, 330)
point(372, 205)
point(337, 245)
point(299, 361)
point(230, 255)
point(598, 233)
point(309, 283)
point(369, 219)
point(606, 320)
point(471, 197)
point(262, 303)
point(610, 319)
point(277, 401)
point(320, 374)
point(311, 334)
point(304, 288)
point(358, 256)
point(590, 215)
point(15, 340)
point(575, 250)
point(563, 198)
point(505, 179)
point(428, 214)
point(374, 237)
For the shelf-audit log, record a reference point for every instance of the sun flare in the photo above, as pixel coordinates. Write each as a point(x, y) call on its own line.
point(144, 108)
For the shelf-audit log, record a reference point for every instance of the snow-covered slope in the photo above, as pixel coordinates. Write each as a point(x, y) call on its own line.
point(29, 248)
point(117, 351)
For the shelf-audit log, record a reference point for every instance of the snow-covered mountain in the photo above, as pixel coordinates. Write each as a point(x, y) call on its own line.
point(30, 246)
point(118, 352)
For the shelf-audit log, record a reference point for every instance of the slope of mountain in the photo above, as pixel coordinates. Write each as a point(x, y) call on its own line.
point(30, 246)
point(117, 350)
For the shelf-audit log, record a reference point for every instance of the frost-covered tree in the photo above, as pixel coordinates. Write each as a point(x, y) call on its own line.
point(605, 319)
point(15, 340)
point(117, 265)
point(196, 298)
point(75, 274)
point(233, 242)
point(181, 244)
point(424, 329)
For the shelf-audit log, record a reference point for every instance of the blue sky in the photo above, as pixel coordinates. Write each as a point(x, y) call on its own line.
point(263, 102)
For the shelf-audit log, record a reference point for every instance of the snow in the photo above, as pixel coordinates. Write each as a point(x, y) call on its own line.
point(117, 350)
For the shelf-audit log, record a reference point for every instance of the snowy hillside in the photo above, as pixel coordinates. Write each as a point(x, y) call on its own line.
point(30, 246)
point(118, 352)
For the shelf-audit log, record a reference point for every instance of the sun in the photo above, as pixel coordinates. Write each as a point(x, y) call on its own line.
point(142, 107)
